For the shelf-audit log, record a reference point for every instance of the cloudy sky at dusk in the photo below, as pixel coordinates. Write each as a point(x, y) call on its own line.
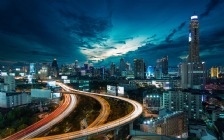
point(103, 31)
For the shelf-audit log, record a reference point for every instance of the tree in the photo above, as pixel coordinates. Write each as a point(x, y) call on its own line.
point(21, 127)
point(10, 116)
point(7, 132)
point(2, 121)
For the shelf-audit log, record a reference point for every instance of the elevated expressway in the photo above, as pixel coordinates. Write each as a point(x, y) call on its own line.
point(59, 114)
point(90, 131)
point(56, 116)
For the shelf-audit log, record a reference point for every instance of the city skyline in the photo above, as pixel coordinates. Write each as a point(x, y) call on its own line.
point(39, 31)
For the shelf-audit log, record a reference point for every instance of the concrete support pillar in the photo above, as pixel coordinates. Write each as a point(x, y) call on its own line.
point(116, 133)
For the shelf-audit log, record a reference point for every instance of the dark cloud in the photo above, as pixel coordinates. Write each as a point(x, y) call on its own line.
point(120, 42)
point(153, 36)
point(111, 47)
point(174, 31)
point(210, 6)
point(170, 35)
point(53, 26)
point(40, 30)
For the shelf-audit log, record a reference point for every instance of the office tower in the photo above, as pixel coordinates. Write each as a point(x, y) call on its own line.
point(139, 69)
point(76, 63)
point(54, 68)
point(112, 69)
point(193, 72)
point(44, 72)
point(102, 72)
point(122, 65)
point(86, 66)
point(91, 69)
point(163, 64)
point(150, 72)
point(214, 72)
point(32, 68)
point(128, 66)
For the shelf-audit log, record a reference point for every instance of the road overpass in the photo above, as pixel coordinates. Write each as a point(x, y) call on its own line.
point(113, 125)
point(37, 129)
point(56, 116)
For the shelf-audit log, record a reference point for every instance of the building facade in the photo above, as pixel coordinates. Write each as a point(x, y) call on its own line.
point(14, 99)
point(190, 103)
point(193, 71)
point(139, 69)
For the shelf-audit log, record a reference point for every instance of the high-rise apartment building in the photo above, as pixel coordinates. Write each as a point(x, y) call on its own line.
point(190, 103)
point(139, 69)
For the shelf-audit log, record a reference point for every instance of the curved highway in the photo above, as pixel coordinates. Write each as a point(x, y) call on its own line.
point(56, 116)
point(137, 111)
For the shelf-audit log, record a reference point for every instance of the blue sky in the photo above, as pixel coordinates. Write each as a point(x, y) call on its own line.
point(103, 31)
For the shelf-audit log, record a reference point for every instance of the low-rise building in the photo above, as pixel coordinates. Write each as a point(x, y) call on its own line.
point(13, 99)
point(168, 124)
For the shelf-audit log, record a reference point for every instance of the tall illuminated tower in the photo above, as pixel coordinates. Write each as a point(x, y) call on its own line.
point(194, 40)
point(193, 71)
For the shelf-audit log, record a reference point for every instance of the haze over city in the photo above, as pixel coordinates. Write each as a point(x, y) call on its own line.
point(103, 31)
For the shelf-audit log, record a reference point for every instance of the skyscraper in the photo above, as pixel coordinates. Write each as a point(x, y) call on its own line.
point(193, 72)
point(76, 63)
point(86, 66)
point(194, 40)
point(128, 66)
point(32, 68)
point(54, 68)
point(139, 69)
point(112, 69)
point(122, 65)
point(163, 64)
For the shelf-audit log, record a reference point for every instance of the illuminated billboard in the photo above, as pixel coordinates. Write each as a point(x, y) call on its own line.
point(4, 74)
point(111, 89)
point(12, 74)
point(22, 74)
point(64, 77)
point(41, 93)
point(67, 81)
point(121, 90)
